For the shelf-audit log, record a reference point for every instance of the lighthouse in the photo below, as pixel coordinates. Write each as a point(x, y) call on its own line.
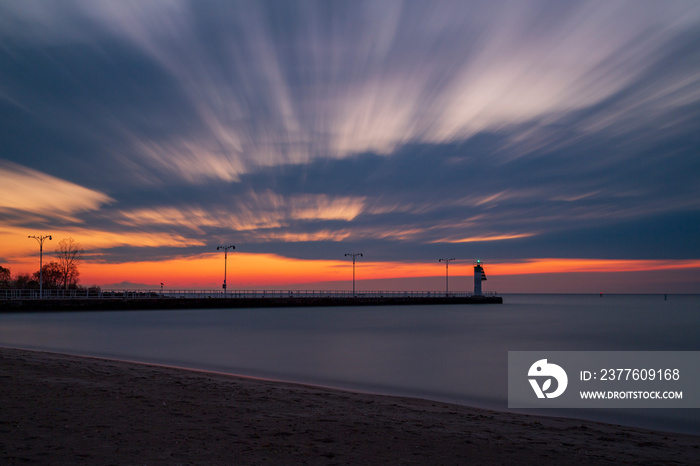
point(479, 276)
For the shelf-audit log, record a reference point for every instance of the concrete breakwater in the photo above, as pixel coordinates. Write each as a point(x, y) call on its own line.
point(96, 304)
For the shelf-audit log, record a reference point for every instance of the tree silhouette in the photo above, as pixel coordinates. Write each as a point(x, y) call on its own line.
point(52, 275)
point(5, 278)
point(69, 254)
point(25, 281)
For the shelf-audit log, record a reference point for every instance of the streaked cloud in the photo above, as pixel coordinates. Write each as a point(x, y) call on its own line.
point(17, 250)
point(24, 191)
point(262, 95)
point(251, 211)
point(474, 239)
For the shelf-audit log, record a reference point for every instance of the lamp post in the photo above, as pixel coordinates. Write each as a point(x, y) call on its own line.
point(40, 239)
point(447, 264)
point(225, 249)
point(353, 255)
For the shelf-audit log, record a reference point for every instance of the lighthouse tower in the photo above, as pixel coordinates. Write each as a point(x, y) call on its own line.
point(479, 276)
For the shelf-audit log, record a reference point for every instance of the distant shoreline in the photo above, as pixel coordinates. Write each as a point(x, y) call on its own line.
point(164, 303)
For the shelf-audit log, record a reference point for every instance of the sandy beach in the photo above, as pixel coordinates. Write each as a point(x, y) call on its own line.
point(58, 409)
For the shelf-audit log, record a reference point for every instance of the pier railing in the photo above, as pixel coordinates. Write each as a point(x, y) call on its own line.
point(229, 294)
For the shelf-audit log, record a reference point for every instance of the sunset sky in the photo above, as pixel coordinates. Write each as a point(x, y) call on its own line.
point(557, 141)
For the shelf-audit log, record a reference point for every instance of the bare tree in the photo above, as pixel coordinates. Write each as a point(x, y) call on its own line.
point(69, 254)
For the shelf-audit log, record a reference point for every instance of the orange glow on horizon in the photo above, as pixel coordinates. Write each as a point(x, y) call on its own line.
point(246, 270)
point(552, 265)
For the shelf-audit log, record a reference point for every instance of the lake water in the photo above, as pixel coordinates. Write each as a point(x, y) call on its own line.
point(454, 353)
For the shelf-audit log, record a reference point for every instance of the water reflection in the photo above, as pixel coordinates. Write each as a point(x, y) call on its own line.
point(450, 353)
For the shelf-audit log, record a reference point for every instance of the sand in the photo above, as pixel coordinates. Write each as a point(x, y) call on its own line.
point(58, 409)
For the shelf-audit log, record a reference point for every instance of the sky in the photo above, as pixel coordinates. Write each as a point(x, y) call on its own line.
point(556, 141)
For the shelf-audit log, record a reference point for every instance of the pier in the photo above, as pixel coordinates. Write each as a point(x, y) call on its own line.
point(90, 300)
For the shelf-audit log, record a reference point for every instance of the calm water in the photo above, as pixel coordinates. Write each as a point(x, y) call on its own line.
point(451, 353)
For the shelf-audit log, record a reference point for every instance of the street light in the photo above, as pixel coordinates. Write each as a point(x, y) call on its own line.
point(40, 240)
point(447, 263)
point(353, 255)
point(225, 249)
